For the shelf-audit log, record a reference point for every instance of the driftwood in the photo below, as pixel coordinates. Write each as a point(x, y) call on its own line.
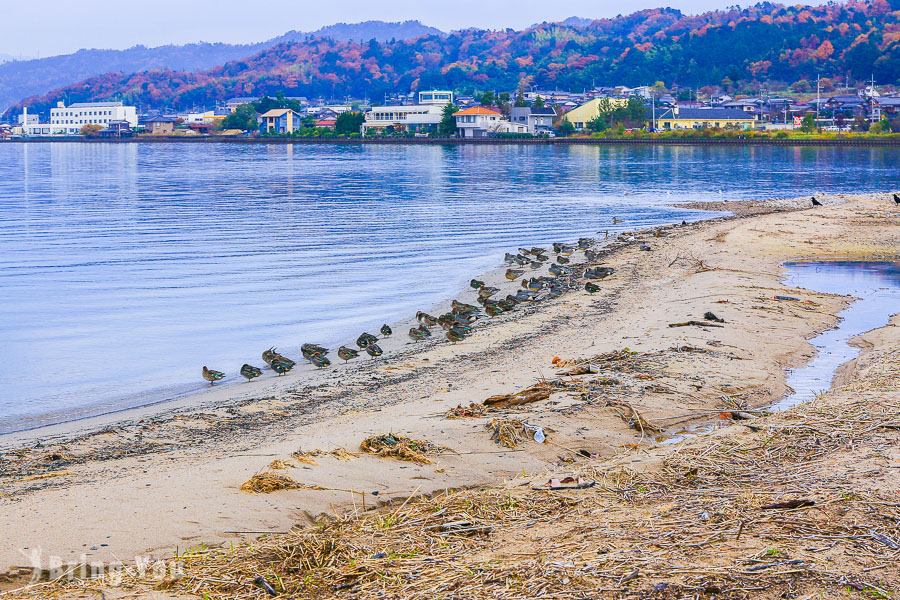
point(535, 393)
point(695, 324)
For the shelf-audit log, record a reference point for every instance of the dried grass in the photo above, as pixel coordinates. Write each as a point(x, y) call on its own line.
point(268, 482)
point(401, 447)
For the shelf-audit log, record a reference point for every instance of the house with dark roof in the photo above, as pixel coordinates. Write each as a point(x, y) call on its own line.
point(702, 118)
point(160, 125)
point(884, 107)
point(537, 119)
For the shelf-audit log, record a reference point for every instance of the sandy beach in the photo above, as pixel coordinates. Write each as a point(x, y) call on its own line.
point(168, 477)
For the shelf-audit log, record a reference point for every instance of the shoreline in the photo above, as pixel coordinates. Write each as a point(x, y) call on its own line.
point(891, 142)
point(409, 392)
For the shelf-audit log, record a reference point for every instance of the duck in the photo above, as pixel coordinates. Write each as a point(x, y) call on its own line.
point(345, 353)
point(281, 367)
point(525, 295)
point(271, 354)
point(455, 335)
point(524, 252)
point(509, 258)
point(493, 310)
point(555, 292)
point(375, 350)
point(591, 288)
point(310, 350)
point(566, 250)
point(521, 260)
point(541, 258)
point(591, 255)
point(424, 329)
point(584, 243)
point(365, 339)
point(386, 331)
point(416, 334)
point(536, 264)
point(320, 360)
point(425, 318)
point(249, 371)
point(562, 260)
point(532, 284)
point(476, 284)
point(558, 269)
point(458, 307)
point(513, 274)
point(599, 272)
point(538, 251)
point(506, 304)
point(487, 292)
point(616, 220)
point(212, 376)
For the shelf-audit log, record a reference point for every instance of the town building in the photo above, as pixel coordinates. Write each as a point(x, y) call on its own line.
point(580, 116)
point(436, 97)
point(279, 120)
point(537, 119)
point(479, 122)
point(700, 118)
point(160, 125)
point(97, 113)
point(232, 103)
point(423, 117)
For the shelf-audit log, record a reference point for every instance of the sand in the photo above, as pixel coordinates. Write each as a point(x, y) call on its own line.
point(145, 482)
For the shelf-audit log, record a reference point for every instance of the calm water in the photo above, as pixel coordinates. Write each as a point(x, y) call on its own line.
point(876, 284)
point(124, 268)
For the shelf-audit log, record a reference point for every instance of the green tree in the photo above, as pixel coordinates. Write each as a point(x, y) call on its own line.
point(808, 123)
point(880, 127)
point(487, 99)
point(566, 128)
point(447, 126)
point(520, 99)
point(243, 118)
point(538, 102)
point(349, 122)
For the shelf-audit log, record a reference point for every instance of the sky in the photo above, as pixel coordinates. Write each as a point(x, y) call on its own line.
point(53, 27)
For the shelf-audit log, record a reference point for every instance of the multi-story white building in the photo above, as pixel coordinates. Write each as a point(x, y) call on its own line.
point(99, 113)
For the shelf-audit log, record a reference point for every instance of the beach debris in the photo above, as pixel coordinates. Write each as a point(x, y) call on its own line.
point(535, 393)
point(582, 369)
point(212, 376)
point(694, 324)
point(278, 465)
point(509, 433)
point(261, 582)
point(460, 411)
point(787, 298)
point(307, 457)
point(711, 316)
point(268, 482)
point(401, 447)
point(788, 505)
point(567, 483)
point(633, 417)
point(646, 247)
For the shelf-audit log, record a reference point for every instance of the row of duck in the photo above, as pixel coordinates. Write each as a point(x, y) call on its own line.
point(457, 322)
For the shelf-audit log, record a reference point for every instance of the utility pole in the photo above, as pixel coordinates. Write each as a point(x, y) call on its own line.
point(818, 100)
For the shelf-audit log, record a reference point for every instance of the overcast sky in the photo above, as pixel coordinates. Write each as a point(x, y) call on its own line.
point(48, 27)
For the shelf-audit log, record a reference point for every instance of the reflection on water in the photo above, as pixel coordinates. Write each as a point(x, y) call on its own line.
point(125, 267)
point(876, 284)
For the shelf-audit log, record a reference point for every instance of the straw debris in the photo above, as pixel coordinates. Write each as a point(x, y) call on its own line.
point(401, 447)
point(268, 482)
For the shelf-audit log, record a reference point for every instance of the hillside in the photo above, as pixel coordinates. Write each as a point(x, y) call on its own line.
point(21, 79)
point(763, 43)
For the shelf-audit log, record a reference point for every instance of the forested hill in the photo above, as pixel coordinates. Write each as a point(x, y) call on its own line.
point(763, 43)
point(20, 79)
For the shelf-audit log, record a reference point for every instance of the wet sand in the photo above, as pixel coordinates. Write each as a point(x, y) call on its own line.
point(146, 481)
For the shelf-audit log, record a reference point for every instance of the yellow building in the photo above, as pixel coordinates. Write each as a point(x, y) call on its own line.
point(701, 118)
point(579, 117)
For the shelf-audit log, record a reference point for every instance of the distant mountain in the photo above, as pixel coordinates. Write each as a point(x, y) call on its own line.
point(365, 31)
point(21, 79)
point(768, 44)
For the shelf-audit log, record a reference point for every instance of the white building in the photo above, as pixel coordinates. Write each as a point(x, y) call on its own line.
point(436, 97)
point(477, 122)
point(412, 117)
point(98, 113)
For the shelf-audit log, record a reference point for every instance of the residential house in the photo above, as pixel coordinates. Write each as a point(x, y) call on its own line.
point(414, 117)
point(232, 103)
point(279, 120)
point(537, 120)
point(850, 106)
point(750, 106)
point(700, 118)
point(116, 129)
point(478, 122)
point(884, 107)
point(326, 123)
point(160, 125)
point(580, 116)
